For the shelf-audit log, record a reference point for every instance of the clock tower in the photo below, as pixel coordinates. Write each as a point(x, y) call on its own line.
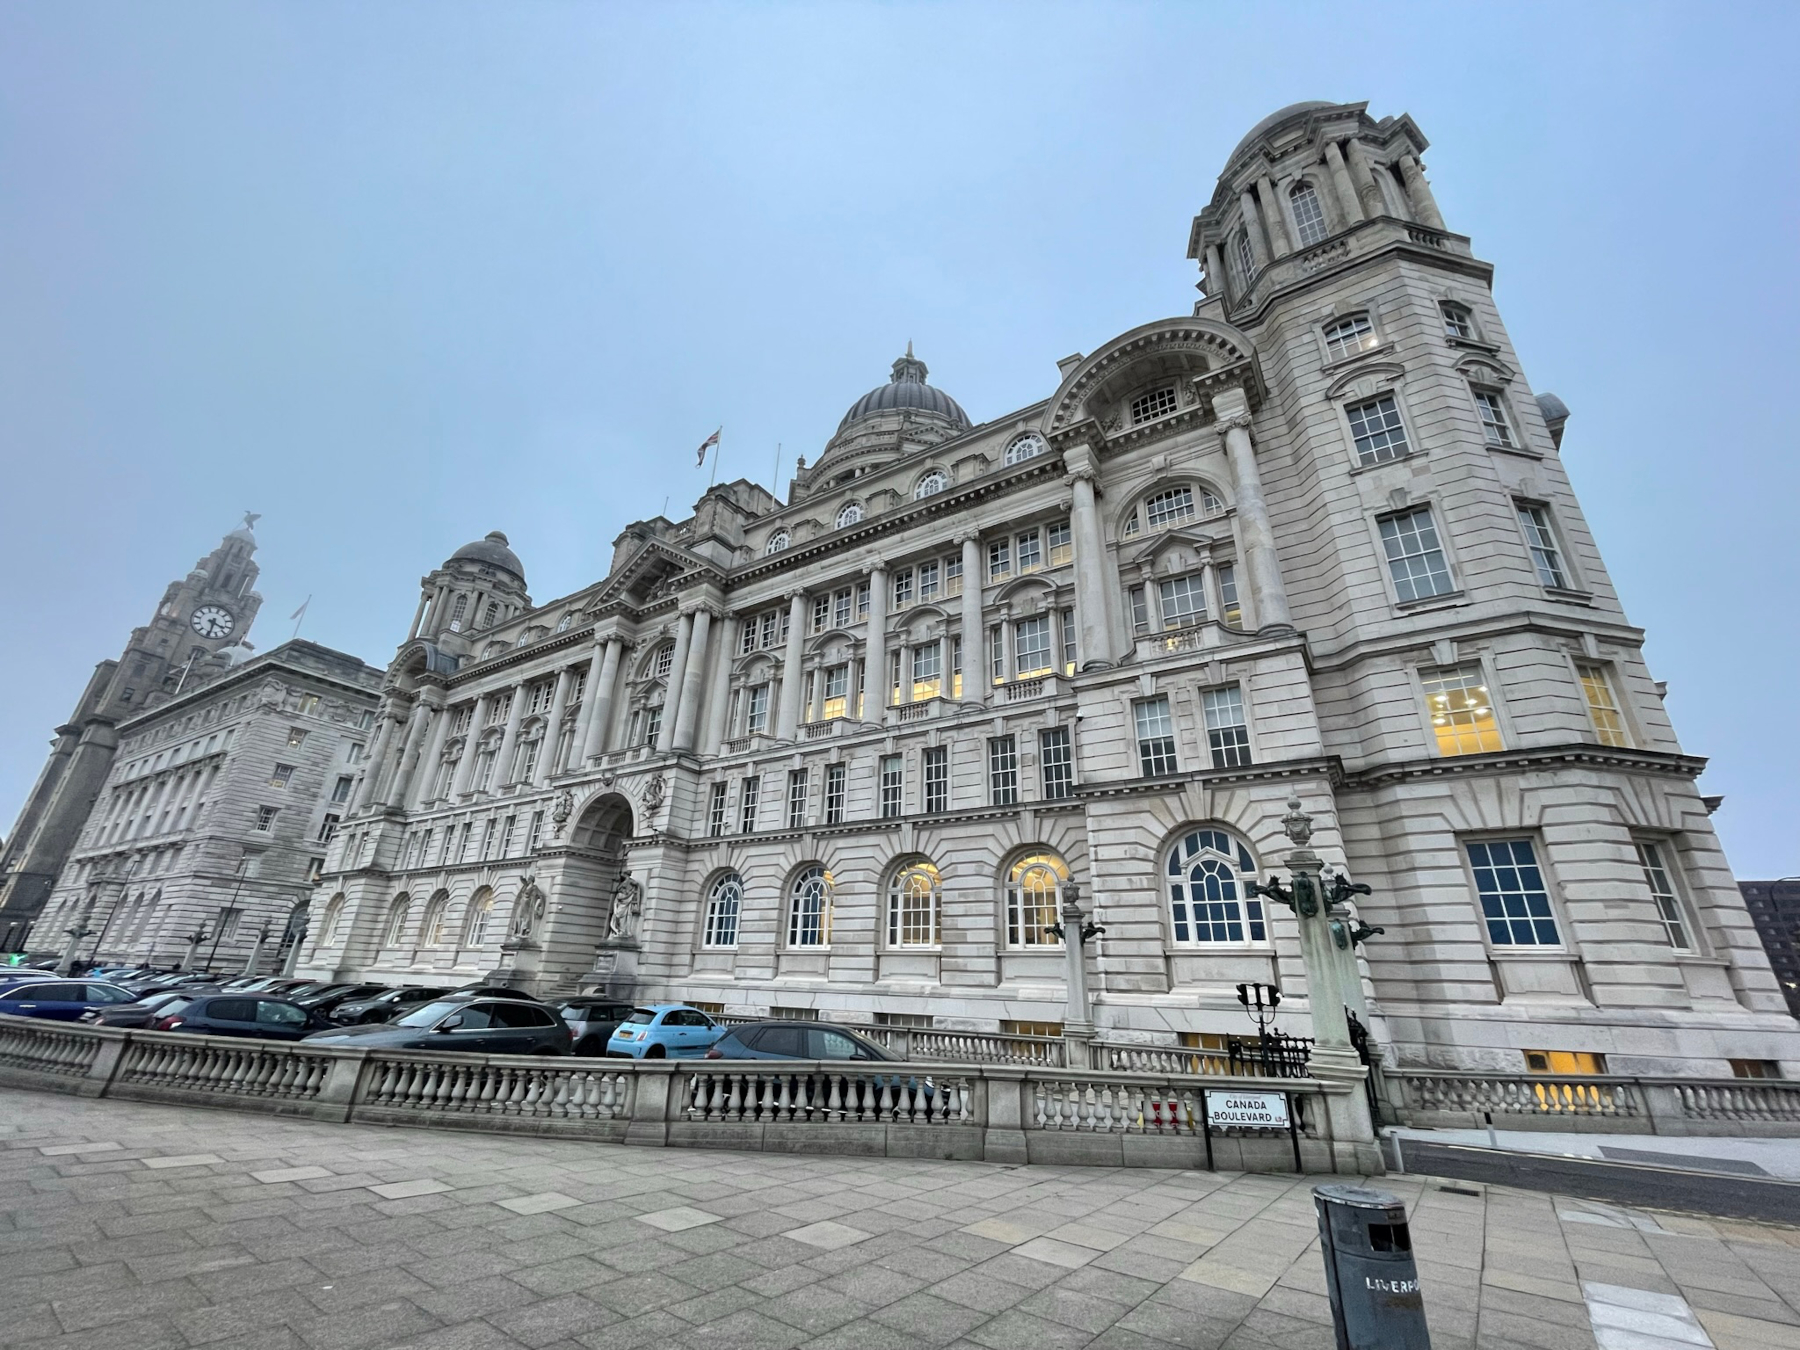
point(186, 641)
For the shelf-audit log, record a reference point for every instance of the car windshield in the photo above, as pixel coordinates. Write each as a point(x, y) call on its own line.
point(643, 1017)
point(426, 1016)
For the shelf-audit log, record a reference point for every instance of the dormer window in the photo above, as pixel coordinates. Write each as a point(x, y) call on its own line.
point(562, 624)
point(851, 513)
point(523, 638)
point(1309, 217)
point(777, 541)
point(1458, 321)
point(1348, 336)
point(1025, 447)
point(935, 481)
point(1156, 403)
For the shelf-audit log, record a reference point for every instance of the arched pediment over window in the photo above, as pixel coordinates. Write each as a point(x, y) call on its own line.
point(1175, 355)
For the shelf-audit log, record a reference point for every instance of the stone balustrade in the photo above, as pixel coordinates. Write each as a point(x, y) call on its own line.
point(1595, 1103)
point(1000, 1112)
point(969, 1047)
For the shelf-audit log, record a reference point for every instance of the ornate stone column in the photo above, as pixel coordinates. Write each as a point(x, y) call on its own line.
point(603, 674)
point(1253, 226)
point(1273, 217)
point(1364, 177)
point(1232, 407)
point(1418, 192)
point(1093, 610)
point(408, 765)
point(509, 739)
point(1215, 273)
point(787, 721)
point(559, 702)
point(465, 767)
point(687, 716)
point(428, 762)
point(365, 791)
point(875, 644)
point(1340, 183)
point(684, 636)
point(974, 630)
point(718, 696)
point(418, 617)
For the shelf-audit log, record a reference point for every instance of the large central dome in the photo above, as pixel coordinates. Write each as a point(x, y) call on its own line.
point(906, 389)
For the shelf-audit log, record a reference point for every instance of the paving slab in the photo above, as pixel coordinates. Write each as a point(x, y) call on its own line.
point(131, 1225)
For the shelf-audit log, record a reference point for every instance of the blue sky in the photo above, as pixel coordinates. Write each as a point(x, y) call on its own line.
point(398, 274)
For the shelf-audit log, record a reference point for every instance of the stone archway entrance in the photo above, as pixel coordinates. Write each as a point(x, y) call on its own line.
point(578, 879)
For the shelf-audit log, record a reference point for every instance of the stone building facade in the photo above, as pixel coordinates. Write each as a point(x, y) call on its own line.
point(210, 831)
point(200, 616)
point(849, 753)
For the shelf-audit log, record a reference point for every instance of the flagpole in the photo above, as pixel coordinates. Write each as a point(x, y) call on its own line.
point(775, 483)
point(299, 616)
point(718, 450)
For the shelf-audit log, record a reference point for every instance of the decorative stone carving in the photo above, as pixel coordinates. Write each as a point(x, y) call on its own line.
point(560, 812)
point(627, 908)
point(528, 910)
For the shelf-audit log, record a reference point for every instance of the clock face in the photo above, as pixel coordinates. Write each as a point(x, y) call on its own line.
point(212, 621)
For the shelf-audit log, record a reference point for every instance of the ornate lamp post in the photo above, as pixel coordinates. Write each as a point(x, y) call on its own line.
point(193, 940)
point(66, 965)
point(1327, 952)
point(1076, 931)
point(262, 936)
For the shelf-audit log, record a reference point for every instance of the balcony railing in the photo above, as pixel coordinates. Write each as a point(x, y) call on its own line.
point(1584, 1102)
point(1012, 1111)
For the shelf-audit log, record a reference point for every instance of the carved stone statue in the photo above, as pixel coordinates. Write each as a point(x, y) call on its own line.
point(627, 908)
point(528, 909)
point(653, 792)
point(562, 810)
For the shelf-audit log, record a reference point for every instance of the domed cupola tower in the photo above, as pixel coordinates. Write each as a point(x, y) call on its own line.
point(888, 422)
point(479, 585)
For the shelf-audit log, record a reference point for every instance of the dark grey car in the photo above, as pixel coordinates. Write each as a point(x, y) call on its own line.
point(592, 1021)
point(478, 1026)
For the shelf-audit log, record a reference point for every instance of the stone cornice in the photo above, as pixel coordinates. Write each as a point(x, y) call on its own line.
point(1472, 628)
point(1576, 755)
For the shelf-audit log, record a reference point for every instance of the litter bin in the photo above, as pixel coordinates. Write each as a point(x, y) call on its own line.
point(1369, 1271)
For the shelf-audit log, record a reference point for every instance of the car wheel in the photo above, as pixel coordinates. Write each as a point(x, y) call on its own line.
point(655, 1052)
point(589, 1047)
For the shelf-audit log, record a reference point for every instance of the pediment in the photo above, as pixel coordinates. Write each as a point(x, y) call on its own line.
point(1365, 377)
point(1478, 368)
point(1183, 349)
point(1175, 551)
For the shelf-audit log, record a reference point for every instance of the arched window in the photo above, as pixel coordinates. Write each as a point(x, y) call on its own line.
point(334, 919)
point(475, 924)
point(395, 931)
point(485, 756)
point(1025, 447)
point(1309, 216)
point(914, 897)
point(851, 513)
point(431, 927)
point(562, 624)
point(935, 481)
point(663, 662)
point(809, 909)
point(1034, 900)
point(778, 541)
point(1246, 258)
point(1207, 869)
point(723, 904)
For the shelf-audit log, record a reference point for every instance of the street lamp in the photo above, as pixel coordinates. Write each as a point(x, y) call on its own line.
point(1078, 1018)
point(193, 941)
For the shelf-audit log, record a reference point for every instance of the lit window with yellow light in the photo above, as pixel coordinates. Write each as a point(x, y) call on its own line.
point(1462, 711)
point(1603, 708)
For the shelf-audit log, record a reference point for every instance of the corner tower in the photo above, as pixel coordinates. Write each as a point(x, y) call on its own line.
point(199, 617)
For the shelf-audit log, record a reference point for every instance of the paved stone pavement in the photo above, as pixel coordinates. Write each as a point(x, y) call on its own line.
point(129, 1227)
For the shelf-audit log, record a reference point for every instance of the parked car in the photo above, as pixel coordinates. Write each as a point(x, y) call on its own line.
point(477, 1026)
point(324, 1000)
point(797, 1040)
point(492, 991)
point(664, 1031)
point(592, 1021)
point(60, 1000)
point(383, 1007)
point(139, 1013)
point(269, 1019)
point(13, 975)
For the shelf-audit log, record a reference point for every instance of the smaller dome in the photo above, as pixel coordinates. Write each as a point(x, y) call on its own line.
point(906, 388)
point(1553, 408)
point(1275, 119)
point(493, 551)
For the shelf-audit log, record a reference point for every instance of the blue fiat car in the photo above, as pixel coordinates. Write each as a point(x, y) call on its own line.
point(664, 1031)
